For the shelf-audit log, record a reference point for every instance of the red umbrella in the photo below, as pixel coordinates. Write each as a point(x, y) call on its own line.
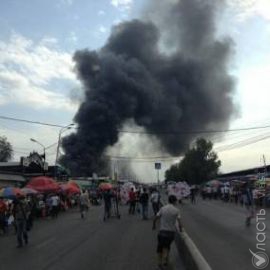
point(43, 184)
point(70, 189)
point(73, 183)
point(105, 186)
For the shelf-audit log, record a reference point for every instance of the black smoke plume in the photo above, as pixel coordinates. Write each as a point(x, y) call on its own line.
point(168, 75)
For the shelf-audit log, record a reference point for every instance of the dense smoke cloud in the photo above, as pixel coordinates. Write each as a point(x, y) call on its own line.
point(133, 78)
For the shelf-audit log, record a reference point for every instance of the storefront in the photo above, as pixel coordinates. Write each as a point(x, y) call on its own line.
point(13, 180)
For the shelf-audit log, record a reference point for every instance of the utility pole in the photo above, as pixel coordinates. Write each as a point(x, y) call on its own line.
point(63, 129)
point(264, 163)
point(158, 167)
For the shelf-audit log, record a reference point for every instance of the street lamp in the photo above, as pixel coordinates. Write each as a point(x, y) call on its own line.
point(61, 131)
point(44, 148)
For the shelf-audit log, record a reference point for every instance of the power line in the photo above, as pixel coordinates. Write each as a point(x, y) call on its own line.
point(142, 158)
point(30, 121)
point(52, 145)
point(197, 131)
point(143, 132)
point(245, 141)
point(241, 144)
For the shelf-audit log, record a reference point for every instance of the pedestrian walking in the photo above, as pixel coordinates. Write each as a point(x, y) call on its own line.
point(226, 193)
point(168, 215)
point(155, 200)
point(137, 203)
point(248, 202)
point(209, 191)
point(107, 197)
point(144, 198)
point(132, 201)
point(84, 203)
point(21, 213)
point(55, 202)
point(32, 212)
point(3, 211)
point(192, 195)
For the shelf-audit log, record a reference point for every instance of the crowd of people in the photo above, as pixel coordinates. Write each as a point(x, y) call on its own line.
point(138, 201)
point(239, 193)
point(232, 193)
point(21, 211)
point(18, 213)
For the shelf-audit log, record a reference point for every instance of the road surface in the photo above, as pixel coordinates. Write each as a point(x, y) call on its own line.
point(70, 243)
point(219, 232)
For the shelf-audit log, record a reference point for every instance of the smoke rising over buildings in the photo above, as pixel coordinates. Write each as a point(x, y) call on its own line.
point(133, 78)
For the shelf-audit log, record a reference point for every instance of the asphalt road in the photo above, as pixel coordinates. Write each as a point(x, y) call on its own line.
point(70, 243)
point(219, 232)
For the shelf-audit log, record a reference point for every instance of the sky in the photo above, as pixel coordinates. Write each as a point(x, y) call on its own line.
point(37, 80)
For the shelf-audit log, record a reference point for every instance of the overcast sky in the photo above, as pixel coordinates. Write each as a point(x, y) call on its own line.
point(38, 39)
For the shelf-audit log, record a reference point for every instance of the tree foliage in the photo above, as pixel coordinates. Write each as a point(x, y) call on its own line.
point(6, 150)
point(199, 164)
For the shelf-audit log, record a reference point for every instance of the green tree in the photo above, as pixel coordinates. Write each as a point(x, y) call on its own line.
point(199, 164)
point(6, 150)
point(173, 173)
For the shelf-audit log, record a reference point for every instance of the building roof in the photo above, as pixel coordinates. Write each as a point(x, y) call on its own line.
point(12, 177)
point(9, 164)
point(251, 171)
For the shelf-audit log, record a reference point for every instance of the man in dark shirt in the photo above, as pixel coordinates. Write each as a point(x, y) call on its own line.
point(21, 212)
point(107, 197)
point(144, 198)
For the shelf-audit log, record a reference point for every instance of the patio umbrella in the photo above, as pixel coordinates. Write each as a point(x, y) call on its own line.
point(70, 188)
point(105, 186)
point(29, 191)
point(10, 192)
point(44, 184)
point(73, 183)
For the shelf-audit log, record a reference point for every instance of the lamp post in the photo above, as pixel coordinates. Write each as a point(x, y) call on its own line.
point(61, 131)
point(44, 153)
point(158, 167)
point(44, 148)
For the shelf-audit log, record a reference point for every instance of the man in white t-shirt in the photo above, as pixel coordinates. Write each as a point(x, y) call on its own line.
point(55, 205)
point(155, 200)
point(169, 216)
point(84, 202)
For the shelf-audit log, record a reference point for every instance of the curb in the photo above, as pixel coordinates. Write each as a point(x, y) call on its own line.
point(189, 253)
